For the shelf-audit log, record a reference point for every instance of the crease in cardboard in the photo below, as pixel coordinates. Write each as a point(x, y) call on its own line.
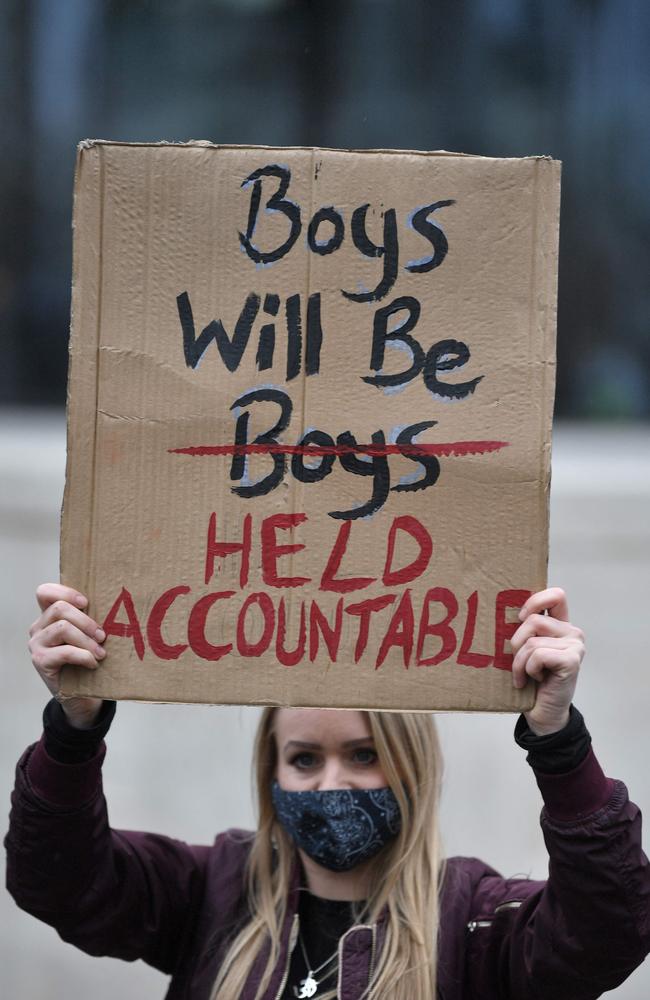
point(142, 357)
point(134, 418)
point(303, 379)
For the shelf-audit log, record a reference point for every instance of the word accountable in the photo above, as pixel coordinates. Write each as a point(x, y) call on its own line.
point(253, 622)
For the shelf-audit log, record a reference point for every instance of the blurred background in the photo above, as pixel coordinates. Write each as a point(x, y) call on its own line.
point(567, 78)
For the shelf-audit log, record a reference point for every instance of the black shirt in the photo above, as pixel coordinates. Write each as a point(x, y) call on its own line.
point(322, 923)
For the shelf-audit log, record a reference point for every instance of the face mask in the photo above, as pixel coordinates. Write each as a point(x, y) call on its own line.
point(339, 828)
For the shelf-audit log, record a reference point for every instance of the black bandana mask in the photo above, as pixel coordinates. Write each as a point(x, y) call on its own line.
point(339, 828)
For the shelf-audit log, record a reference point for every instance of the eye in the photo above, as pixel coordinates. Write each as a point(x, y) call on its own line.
point(365, 756)
point(303, 760)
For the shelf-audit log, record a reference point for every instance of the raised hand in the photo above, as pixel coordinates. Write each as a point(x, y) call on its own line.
point(550, 649)
point(64, 634)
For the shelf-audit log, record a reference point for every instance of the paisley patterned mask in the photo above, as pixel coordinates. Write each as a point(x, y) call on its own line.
point(339, 828)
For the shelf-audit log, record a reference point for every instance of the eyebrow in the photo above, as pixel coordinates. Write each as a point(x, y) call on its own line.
point(318, 746)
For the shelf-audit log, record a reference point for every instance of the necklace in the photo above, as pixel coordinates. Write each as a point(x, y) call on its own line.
point(309, 985)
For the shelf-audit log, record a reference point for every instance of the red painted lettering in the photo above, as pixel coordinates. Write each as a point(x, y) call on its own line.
point(364, 610)
point(503, 630)
point(331, 635)
point(215, 549)
point(154, 625)
point(125, 630)
point(349, 583)
point(399, 632)
point(439, 595)
point(466, 656)
point(265, 604)
point(196, 627)
point(394, 578)
point(271, 551)
point(287, 657)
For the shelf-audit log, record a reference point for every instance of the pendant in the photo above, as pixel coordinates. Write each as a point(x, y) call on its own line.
point(308, 987)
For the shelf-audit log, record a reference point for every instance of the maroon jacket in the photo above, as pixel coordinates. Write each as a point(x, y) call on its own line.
point(138, 895)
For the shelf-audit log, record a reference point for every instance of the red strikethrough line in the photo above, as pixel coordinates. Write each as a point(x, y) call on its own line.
point(313, 450)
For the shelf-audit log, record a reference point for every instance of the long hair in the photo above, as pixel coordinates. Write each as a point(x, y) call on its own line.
point(404, 878)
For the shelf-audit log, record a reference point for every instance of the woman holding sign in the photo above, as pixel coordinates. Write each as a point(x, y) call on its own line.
point(342, 891)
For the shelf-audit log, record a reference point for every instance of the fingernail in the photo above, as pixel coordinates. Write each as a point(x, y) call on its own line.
point(100, 652)
point(100, 635)
point(80, 601)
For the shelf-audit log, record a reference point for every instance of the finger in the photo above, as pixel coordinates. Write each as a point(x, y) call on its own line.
point(560, 658)
point(62, 610)
point(48, 593)
point(542, 625)
point(553, 600)
point(519, 674)
point(537, 642)
point(558, 662)
point(64, 633)
point(50, 660)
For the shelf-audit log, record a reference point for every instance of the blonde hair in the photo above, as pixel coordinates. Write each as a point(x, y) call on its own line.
point(404, 877)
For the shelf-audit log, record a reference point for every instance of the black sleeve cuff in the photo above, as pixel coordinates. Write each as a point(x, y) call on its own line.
point(68, 745)
point(558, 752)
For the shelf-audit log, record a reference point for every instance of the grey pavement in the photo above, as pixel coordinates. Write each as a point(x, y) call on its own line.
point(185, 770)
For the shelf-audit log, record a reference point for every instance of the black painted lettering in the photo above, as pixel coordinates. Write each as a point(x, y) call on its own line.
point(375, 466)
point(266, 344)
point(381, 335)
point(238, 464)
point(231, 351)
point(314, 337)
point(328, 214)
point(445, 356)
point(266, 347)
point(294, 334)
point(389, 252)
point(276, 203)
point(310, 473)
point(429, 463)
point(433, 233)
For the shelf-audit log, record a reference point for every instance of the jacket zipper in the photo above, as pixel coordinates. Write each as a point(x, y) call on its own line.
point(473, 924)
point(373, 949)
point(509, 904)
point(293, 937)
point(351, 930)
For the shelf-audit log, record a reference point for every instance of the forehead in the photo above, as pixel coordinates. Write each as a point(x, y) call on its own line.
point(319, 725)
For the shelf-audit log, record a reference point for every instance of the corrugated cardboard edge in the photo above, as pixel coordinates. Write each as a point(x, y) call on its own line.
point(544, 287)
point(78, 497)
point(87, 144)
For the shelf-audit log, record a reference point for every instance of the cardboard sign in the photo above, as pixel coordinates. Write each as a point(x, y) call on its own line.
point(309, 422)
